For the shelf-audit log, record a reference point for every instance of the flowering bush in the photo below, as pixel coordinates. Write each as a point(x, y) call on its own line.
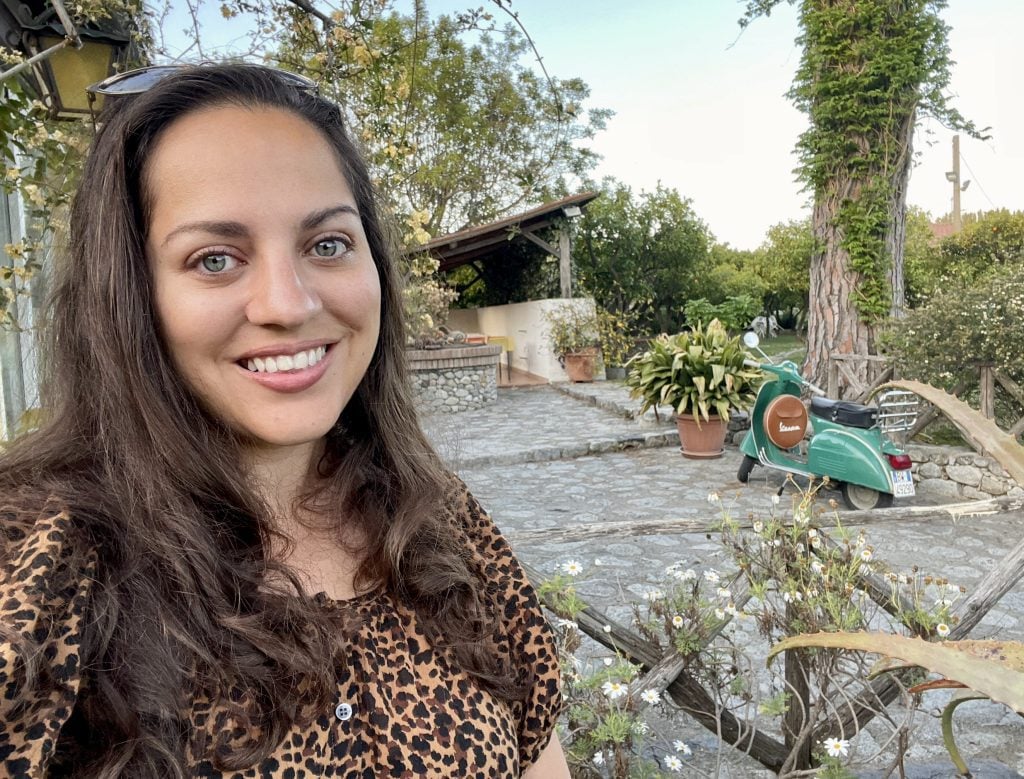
point(606, 731)
point(790, 576)
point(961, 328)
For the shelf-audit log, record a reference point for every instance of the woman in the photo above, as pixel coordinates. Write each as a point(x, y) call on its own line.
point(230, 550)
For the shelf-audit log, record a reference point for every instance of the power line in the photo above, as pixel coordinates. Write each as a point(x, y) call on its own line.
point(974, 178)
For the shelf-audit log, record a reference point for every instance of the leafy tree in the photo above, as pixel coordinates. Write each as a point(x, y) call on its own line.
point(869, 68)
point(457, 132)
point(784, 263)
point(641, 254)
point(988, 242)
point(731, 273)
point(922, 258)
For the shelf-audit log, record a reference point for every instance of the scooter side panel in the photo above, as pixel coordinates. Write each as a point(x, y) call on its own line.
point(845, 455)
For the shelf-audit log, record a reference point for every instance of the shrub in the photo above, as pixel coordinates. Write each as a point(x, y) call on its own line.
point(962, 327)
point(735, 312)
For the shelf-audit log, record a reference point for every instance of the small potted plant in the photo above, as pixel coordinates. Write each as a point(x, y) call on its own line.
point(573, 332)
point(700, 374)
point(617, 344)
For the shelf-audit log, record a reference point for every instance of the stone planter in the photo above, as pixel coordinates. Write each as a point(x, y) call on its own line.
point(454, 378)
point(702, 442)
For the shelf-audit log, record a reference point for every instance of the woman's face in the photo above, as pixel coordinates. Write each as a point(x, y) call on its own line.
point(266, 293)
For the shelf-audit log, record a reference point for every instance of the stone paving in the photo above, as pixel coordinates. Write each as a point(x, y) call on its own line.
point(545, 457)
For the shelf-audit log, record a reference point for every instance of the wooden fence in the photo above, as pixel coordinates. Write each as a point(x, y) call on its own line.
point(845, 380)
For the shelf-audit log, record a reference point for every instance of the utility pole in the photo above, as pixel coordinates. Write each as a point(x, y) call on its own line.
point(957, 221)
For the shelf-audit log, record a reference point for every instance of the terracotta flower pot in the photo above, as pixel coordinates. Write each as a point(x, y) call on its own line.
point(579, 366)
point(703, 442)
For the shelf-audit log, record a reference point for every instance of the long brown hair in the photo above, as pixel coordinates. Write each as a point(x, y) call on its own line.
point(160, 503)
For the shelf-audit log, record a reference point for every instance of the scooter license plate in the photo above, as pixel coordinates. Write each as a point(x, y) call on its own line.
point(903, 484)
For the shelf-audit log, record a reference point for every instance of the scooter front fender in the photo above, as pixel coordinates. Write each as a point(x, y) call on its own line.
point(849, 455)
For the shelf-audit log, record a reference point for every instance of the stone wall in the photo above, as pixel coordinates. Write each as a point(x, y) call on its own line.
point(456, 378)
point(958, 472)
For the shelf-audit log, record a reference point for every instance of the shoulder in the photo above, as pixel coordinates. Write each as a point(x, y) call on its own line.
point(45, 578)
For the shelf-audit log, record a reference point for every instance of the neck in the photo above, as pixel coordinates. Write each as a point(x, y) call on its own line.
point(281, 474)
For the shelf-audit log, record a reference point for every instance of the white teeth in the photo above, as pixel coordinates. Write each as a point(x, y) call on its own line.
point(287, 362)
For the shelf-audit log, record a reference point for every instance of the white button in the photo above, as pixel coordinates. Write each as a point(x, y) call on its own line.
point(343, 711)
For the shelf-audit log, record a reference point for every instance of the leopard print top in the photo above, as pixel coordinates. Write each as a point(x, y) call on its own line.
point(403, 708)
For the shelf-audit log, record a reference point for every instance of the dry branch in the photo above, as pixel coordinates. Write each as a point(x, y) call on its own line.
point(657, 527)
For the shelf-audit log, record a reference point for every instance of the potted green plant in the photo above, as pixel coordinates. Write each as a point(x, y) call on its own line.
point(573, 332)
point(617, 345)
point(701, 374)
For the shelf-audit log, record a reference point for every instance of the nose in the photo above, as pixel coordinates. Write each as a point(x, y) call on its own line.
point(282, 293)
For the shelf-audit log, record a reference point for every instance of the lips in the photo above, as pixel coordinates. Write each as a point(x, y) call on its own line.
point(285, 370)
point(286, 362)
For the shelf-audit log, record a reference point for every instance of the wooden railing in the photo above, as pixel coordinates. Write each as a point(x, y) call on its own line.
point(846, 381)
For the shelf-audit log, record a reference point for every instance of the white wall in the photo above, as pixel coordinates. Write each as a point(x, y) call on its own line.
point(524, 323)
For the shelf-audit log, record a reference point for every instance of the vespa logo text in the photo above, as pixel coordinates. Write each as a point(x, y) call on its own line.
point(788, 428)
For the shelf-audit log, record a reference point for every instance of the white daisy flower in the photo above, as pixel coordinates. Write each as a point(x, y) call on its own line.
point(837, 747)
point(682, 746)
point(572, 567)
point(866, 555)
point(607, 628)
point(776, 500)
point(608, 661)
point(817, 567)
point(942, 629)
point(685, 576)
point(711, 575)
point(652, 595)
point(674, 764)
point(598, 758)
point(677, 621)
point(614, 690)
point(650, 696)
point(758, 526)
point(719, 613)
point(724, 593)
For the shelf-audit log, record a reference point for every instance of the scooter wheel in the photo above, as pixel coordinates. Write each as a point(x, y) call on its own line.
point(745, 468)
point(860, 498)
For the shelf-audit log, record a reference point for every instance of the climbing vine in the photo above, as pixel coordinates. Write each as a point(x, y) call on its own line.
point(869, 69)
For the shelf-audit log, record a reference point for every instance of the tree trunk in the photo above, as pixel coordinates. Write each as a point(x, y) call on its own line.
point(834, 325)
point(895, 237)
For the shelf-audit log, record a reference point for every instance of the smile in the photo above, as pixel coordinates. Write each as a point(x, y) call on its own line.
point(286, 362)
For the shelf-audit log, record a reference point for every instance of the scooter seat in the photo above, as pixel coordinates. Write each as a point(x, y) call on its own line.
point(844, 412)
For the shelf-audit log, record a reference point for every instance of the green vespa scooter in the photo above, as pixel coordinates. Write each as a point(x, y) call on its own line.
point(850, 443)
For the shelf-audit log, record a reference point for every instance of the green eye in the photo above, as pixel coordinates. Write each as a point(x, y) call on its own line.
point(329, 247)
point(214, 263)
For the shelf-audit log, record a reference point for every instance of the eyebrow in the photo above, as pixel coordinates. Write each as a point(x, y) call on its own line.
point(229, 229)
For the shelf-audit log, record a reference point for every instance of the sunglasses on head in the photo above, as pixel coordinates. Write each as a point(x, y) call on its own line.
point(135, 82)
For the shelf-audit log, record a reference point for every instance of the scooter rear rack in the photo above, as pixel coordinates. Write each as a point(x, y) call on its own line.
point(897, 410)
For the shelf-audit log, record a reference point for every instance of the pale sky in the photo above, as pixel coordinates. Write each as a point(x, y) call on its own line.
point(701, 107)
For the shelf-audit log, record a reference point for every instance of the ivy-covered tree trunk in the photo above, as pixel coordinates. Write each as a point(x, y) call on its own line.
point(834, 325)
point(868, 68)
